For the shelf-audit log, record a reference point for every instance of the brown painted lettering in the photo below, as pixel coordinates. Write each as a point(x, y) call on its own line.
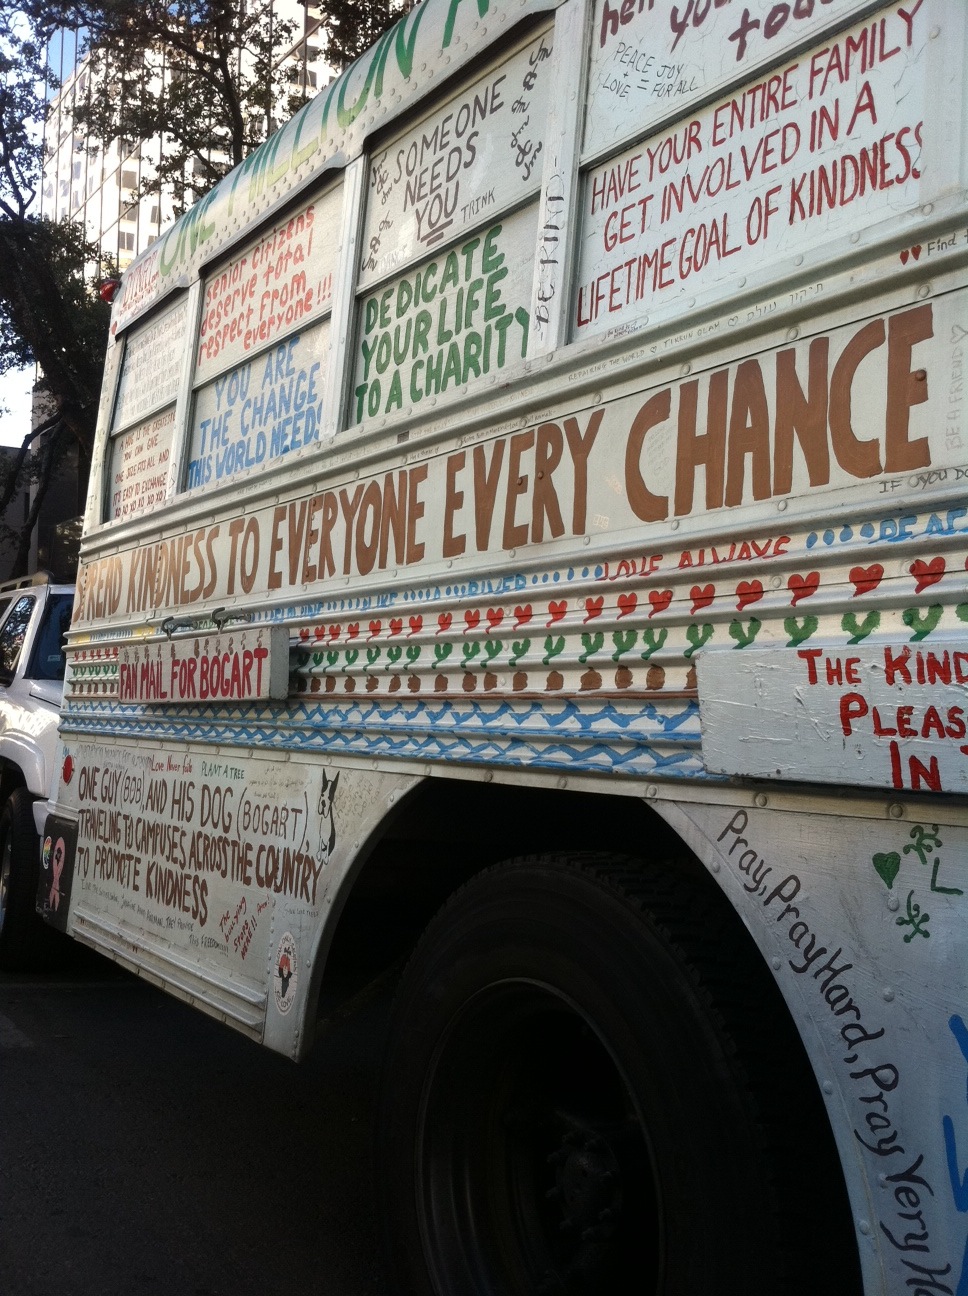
point(905, 389)
point(485, 490)
point(549, 445)
point(580, 447)
point(517, 484)
point(453, 501)
point(646, 505)
point(859, 458)
point(801, 416)
point(749, 434)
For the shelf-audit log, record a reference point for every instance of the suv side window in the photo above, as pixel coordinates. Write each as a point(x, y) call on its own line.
point(12, 635)
point(47, 659)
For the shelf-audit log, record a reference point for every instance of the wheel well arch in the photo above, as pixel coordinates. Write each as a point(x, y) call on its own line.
point(446, 830)
point(442, 832)
point(11, 778)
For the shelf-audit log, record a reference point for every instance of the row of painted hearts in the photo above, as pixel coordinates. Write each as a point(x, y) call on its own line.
point(864, 580)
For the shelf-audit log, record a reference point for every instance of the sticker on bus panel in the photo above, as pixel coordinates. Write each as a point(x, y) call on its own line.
point(57, 870)
point(830, 144)
point(236, 666)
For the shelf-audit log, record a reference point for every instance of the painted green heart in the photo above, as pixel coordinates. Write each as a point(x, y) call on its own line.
point(887, 867)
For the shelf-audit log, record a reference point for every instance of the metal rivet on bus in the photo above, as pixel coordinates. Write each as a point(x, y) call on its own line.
point(781, 506)
point(893, 902)
point(488, 776)
point(888, 994)
point(776, 964)
point(742, 282)
point(686, 368)
point(596, 398)
point(798, 260)
point(775, 582)
point(562, 782)
point(895, 810)
point(828, 1087)
point(855, 237)
point(651, 791)
point(927, 209)
point(512, 553)
point(934, 33)
point(792, 333)
point(587, 540)
point(674, 524)
point(760, 799)
point(924, 290)
point(864, 1226)
point(714, 866)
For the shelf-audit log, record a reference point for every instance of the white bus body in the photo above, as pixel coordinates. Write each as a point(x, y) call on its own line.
point(533, 484)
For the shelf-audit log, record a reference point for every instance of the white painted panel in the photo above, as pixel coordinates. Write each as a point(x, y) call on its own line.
point(152, 366)
point(891, 715)
point(139, 466)
point(265, 409)
point(279, 282)
point(236, 666)
point(451, 321)
point(652, 58)
point(832, 145)
point(481, 151)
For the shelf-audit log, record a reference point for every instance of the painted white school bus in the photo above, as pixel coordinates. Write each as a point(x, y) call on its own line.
point(525, 560)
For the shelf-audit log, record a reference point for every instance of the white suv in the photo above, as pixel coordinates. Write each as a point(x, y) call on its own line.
point(34, 617)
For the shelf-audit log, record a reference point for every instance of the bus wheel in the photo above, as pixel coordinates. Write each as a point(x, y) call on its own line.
point(567, 1107)
point(22, 933)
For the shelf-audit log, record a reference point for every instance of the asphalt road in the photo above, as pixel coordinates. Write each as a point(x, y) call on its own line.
point(146, 1149)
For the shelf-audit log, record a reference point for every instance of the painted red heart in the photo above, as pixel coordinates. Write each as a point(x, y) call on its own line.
point(627, 603)
point(472, 619)
point(748, 592)
point(916, 251)
point(334, 632)
point(375, 628)
point(494, 617)
point(396, 625)
point(660, 600)
point(593, 607)
point(353, 629)
point(522, 615)
point(304, 632)
point(416, 624)
point(904, 254)
point(802, 587)
point(926, 573)
point(557, 610)
point(319, 632)
point(444, 621)
point(865, 579)
point(702, 596)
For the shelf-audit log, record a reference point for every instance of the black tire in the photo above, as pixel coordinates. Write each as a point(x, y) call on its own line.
point(576, 1101)
point(24, 939)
